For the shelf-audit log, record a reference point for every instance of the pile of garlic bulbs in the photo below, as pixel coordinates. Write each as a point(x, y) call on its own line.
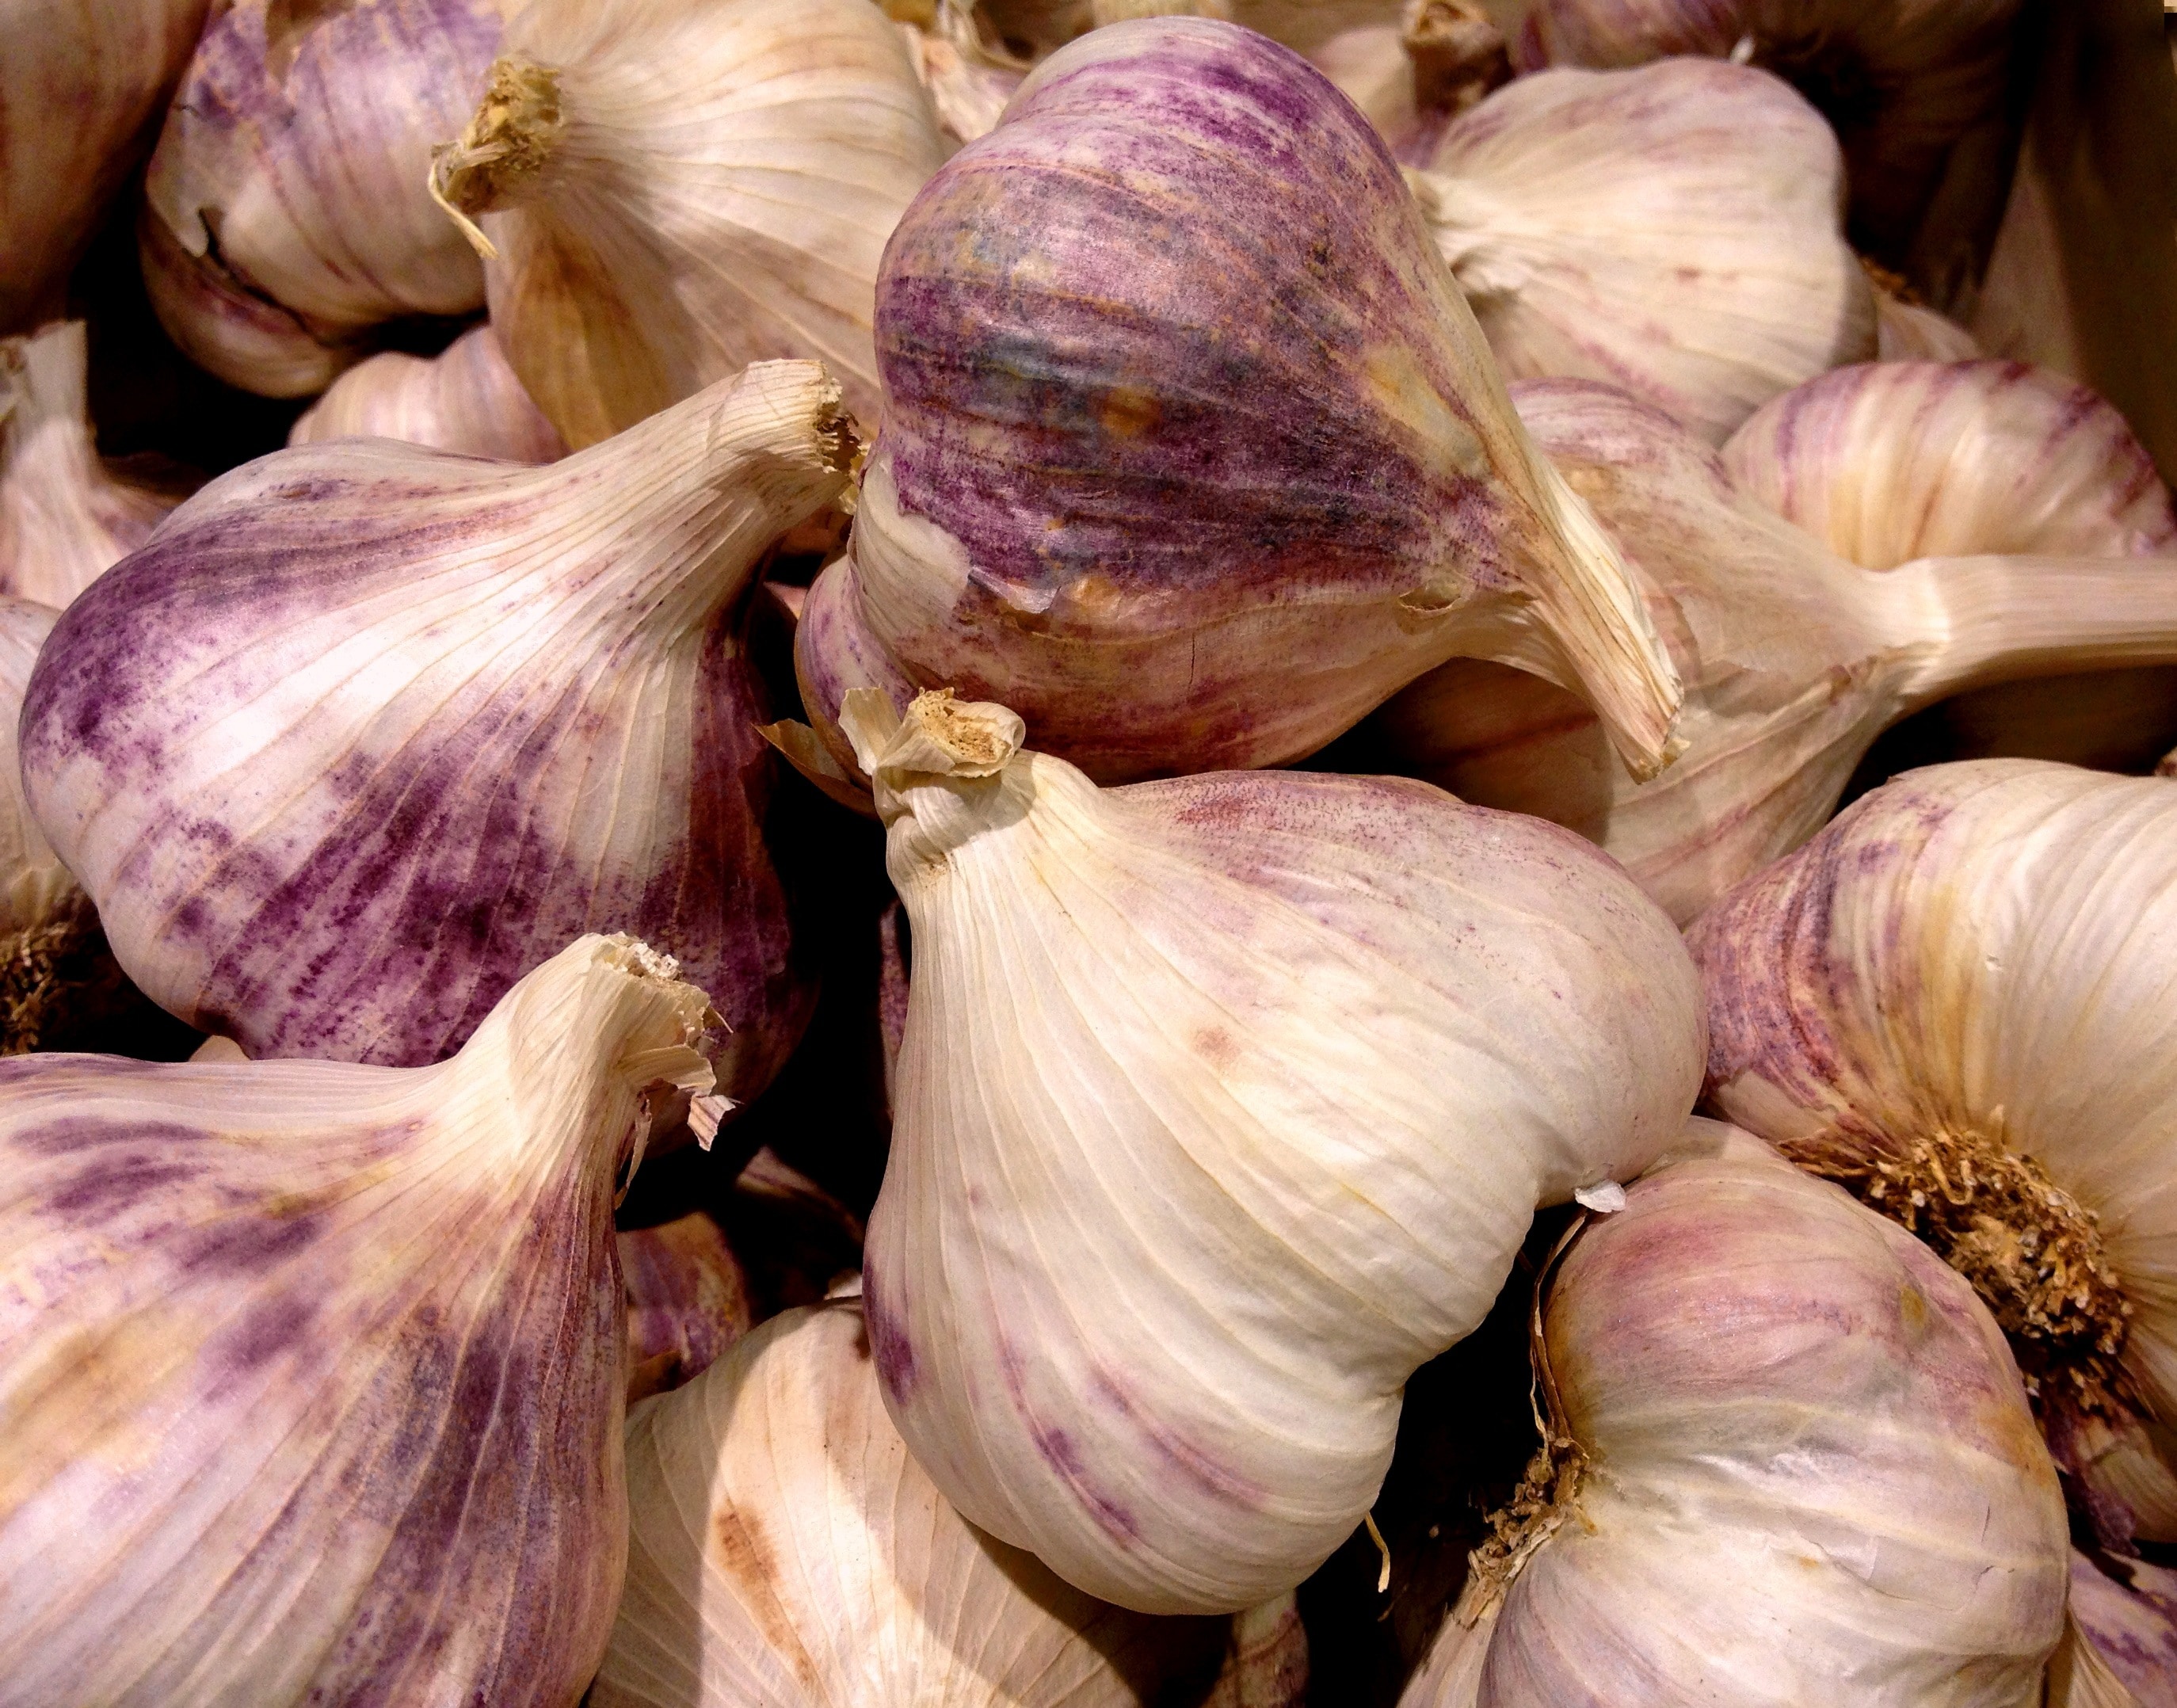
point(1042, 854)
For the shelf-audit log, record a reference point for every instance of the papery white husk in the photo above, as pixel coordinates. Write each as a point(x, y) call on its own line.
point(1224, 1103)
point(675, 188)
point(464, 398)
point(1903, 459)
point(785, 1549)
point(1675, 229)
point(970, 75)
point(1978, 954)
point(310, 1373)
point(82, 84)
point(1793, 658)
point(2121, 1650)
point(368, 729)
point(64, 517)
point(286, 211)
point(1812, 1475)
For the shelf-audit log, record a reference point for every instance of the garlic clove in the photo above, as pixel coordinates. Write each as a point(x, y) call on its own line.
point(2122, 1639)
point(311, 1373)
point(369, 728)
point(287, 210)
point(1184, 516)
point(465, 399)
point(1224, 1102)
point(1792, 1462)
point(1674, 229)
point(787, 1550)
point(64, 517)
point(79, 85)
point(687, 1300)
point(1910, 996)
point(675, 189)
point(1794, 659)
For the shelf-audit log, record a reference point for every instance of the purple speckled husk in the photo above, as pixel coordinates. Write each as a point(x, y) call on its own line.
point(1192, 453)
point(485, 776)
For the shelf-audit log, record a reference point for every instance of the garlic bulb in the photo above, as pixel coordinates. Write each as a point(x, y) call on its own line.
point(1674, 229)
point(1897, 460)
point(368, 729)
point(687, 1300)
point(1903, 84)
point(465, 399)
point(1224, 1103)
point(1790, 1462)
point(2123, 1645)
point(674, 189)
point(80, 84)
point(1794, 659)
point(785, 1549)
point(64, 517)
point(1906, 1004)
point(311, 1373)
point(1183, 516)
point(1914, 332)
point(286, 213)
point(970, 75)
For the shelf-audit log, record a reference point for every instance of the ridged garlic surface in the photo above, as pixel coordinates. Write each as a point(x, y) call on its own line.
point(1675, 230)
point(786, 1549)
point(674, 189)
point(1967, 978)
point(1902, 460)
point(81, 84)
point(369, 729)
point(969, 74)
point(64, 517)
point(2121, 1652)
point(687, 1300)
point(1914, 332)
point(1186, 506)
point(1810, 1474)
point(1794, 659)
point(310, 1373)
point(1224, 1103)
point(465, 399)
point(286, 211)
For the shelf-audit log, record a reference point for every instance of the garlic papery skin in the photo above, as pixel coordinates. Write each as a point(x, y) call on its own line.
point(81, 87)
point(1904, 84)
point(1224, 1103)
point(286, 209)
point(786, 1549)
point(1966, 977)
point(674, 189)
point(368, 729)
point(687, 1300)
point(1914, 332)
point(1183, 516)
point(1793, 659)
point(2122, 1645)
point(464, 398)
point(1675, 229)
point(311, 1373)
point(64, 518)
point(970, 77)
point(1792, 1463)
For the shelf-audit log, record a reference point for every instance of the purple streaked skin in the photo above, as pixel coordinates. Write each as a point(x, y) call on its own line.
point(1171, 357)
point(388, 1433)
point(408, 883)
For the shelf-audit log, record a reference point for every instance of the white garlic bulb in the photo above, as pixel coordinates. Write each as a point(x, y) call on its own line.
point(1896, 460)
point(1792, 1463)
point(1794, 659)
point(785, 1549)
point(1675, 229)
point(1957, 999)
point(1224, 1103)
point(64, 517)
point(674, 189)
point(368, 729)
point(464, 398)
point(311, 1373)
point(287, 212)
point(80, 83)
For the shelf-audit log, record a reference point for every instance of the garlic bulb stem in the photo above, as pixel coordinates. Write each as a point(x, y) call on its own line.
point(505, 146)
point(1999, 618)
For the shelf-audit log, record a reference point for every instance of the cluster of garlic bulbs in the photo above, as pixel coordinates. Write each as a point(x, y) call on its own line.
point(959, 762)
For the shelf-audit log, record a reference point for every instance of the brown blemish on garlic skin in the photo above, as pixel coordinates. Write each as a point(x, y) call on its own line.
point(739, 1550)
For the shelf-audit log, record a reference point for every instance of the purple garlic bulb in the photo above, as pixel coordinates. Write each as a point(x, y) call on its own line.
point(1192, 453)
point(367, 731)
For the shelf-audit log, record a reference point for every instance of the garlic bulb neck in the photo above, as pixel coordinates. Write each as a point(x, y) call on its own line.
point(504, 147)
point(63, 518)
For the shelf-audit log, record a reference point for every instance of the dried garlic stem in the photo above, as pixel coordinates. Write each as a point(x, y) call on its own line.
point(47, 972)
point(503, 147)
point(2001, 618)
point(2031, 1250)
